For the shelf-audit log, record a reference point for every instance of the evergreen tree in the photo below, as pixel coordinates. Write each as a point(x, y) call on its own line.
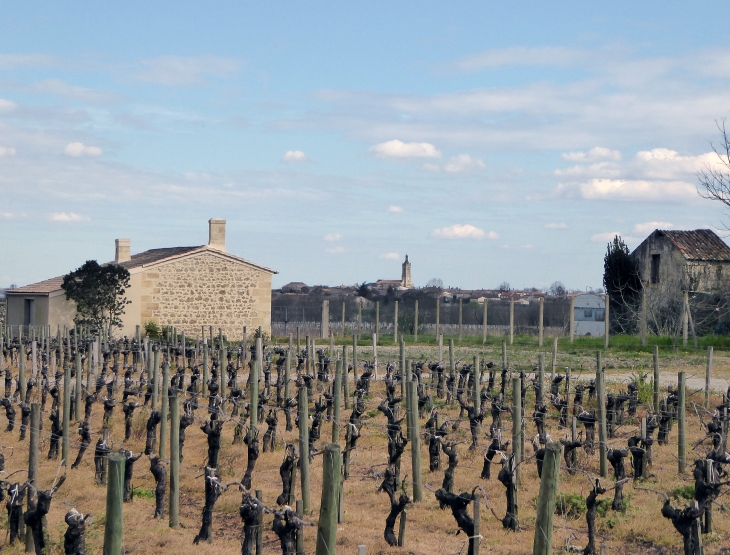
point(622, 283)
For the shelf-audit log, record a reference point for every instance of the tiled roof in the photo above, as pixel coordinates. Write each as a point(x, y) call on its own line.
point(699, 244)
point(155, 255)
point(142, 259)
point(47, 286)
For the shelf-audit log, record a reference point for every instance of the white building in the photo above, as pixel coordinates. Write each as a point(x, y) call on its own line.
point(589, 314)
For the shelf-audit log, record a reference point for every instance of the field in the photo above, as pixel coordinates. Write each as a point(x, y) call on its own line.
point(430, 531)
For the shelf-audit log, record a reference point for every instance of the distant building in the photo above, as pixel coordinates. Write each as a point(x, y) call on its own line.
point(382, 285)
point(185, 287)
point(406, 281)
point(294, 287)
point(589, 315)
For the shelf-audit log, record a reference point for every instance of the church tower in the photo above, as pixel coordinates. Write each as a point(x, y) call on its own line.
point(406, 275)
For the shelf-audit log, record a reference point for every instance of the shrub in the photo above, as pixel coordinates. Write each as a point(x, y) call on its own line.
point(570, 505)
point(684, 492)
point(152, 330)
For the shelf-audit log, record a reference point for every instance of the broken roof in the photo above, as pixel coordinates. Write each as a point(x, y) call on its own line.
point(699, 244)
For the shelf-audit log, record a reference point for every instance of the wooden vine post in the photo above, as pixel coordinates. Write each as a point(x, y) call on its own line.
point(304, 446)
point(543, 541)
point(327, 526)
point(174, 460)
point(114, 526)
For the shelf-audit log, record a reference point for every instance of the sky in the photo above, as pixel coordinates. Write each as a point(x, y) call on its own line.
point(488, 142)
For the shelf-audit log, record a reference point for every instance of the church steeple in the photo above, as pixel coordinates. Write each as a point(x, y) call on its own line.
point(406, 275)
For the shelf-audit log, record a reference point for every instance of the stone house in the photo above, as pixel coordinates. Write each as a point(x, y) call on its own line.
point(185, 287)
point(672, 261)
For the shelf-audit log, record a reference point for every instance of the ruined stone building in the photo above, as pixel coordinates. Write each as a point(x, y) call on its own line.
point(185, 287)
point(695, 261)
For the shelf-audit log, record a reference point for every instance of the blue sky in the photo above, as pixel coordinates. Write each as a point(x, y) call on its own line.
point(487, 142)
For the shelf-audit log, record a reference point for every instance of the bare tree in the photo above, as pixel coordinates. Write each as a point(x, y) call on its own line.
point(714, 181)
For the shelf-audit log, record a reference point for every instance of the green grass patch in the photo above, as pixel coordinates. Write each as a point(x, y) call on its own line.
point(144, 493)
point(684, 492)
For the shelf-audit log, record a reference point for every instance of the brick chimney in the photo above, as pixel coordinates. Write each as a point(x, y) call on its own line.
point(217, 234)
point(123, 252)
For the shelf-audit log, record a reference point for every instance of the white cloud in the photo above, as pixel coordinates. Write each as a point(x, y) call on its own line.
point(628, 189)
point(7, 105)
point(335, 250)
point(80, 149)
point(461, 163)
point(178, 71)
point(332, 237)
point(67, 217)
point(604, 237)
point(465, 231)
point(390, 256)
point(556, 225)
point(294, 156)
point(399, 149)
point(597, 153)
point(7, 151)
point(395, 209)
point(648, 227)
point(522, 56)
point(526, 246)
point(10, 215)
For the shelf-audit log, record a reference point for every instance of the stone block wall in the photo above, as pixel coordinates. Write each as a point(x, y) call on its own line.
point(207, 289)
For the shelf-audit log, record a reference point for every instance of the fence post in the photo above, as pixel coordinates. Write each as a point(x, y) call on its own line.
point(205, 368)
point(415, 324)
point(287, 371)
point(656, 378)
point(681, 424)
point(708, 375)
point(375, 356)
point(354, 359)
point(452, 369)
point(77, 391)
point(35, 423)
point(601, 393)
point(542, 543)
point(572, 319)
point(300, 532)
point(345, 377)
point(21, 369)
point(504, 355)
point(165, 409)
point(461, 320)
point(540, 393)
point(511, 321)
point(607, 322)
point(337, 402)
point(540, 322)
point(359, 319)
point(66, 409)
point(555, 358)
point(114, 527)
point(377, 318)
point(327, 525)
point(259, 525)
point(156, 377)
point(174, 460)
point(324, 328)
point(304, 446)
point(254, 386)
point(485, 321)
point(476, 540)
point(517, 425)
point(441, 348)
point(415, 438)
point(402, 528)
point(344, 333)
point(395, 323)
point(438, 316)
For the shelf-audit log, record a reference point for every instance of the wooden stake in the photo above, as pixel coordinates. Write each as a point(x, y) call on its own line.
point(327, 526)
point(543, 540)
point(174, 459)
point(304, 446)
point(681, 424)
point(114, 525)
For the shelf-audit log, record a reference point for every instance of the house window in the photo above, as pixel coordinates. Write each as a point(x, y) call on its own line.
point(600, 315)
point(29, 312)
point(655, 268)
point(588, 313)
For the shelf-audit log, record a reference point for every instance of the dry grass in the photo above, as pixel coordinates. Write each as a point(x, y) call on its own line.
point(430, 531)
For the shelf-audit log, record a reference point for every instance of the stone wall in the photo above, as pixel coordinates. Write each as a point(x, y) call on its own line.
point(207, 289)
